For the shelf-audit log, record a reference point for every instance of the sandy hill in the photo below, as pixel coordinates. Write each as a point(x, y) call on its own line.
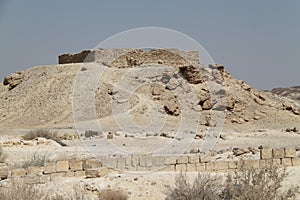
point(56, 95)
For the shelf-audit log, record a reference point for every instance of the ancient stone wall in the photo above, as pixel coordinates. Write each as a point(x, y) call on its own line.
point(126, 57)
point(93, 168)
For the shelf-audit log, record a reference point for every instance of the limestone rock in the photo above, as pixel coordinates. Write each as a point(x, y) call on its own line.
point(13, 80)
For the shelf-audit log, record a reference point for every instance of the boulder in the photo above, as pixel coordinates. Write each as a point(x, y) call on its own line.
point(13, 80)
point(191, 74)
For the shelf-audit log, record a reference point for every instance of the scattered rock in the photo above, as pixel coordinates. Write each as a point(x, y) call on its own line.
point(195, 150)
point(239, 151)
point(191, 74)
point(110, 136)
point(13, 80)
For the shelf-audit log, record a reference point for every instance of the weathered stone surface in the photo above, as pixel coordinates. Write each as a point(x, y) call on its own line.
point(191, 167)
point(57, 176)
point(182, 160)
point(278, 153)
point(296, 161)
point(194, 159)
point(49, 167)
point(191, 74)
point(75, 165)
point(170, 160)
point(266, 154)
point(290, 152)
point(91, 164)
point(180, 167)
point(220, 166)
point(205, 159)
point(34, 170)
point(4, 171)
point(13, 80)
point(79, 173)
point(62, 166)
point(18, 172)
point(286, 162)
point(92, 173)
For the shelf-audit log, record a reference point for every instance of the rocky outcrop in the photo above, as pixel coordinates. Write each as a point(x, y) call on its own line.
point(291, 93)
point(191, 74)
point(13, 80)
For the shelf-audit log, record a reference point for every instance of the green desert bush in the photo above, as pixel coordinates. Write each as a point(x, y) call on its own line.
point(205, 186)
point(44, 133)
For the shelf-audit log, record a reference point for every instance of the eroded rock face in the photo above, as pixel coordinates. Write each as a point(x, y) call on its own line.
point(191, 74)
point(13, 80)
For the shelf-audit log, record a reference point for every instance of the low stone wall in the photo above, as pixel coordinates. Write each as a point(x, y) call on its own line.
point(93, 168)
point(126, 57)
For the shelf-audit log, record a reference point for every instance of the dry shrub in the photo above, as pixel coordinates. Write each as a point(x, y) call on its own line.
point(90, 133)
point(204, 186)
point(20, 190)
point(258, 183)
point(112, 195)
point(44, 133)
point(36, 160)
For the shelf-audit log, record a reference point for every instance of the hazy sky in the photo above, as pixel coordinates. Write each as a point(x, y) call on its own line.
point(257, 41)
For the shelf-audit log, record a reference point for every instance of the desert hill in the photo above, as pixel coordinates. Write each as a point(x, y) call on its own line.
point(289, 92)
point(143, 84)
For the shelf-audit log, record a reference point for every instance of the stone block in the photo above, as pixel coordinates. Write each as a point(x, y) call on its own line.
point(180, 167)
point(276, 163)
point(45, 179)
point(200, 167)
point(75, 165)
point(34, 170)
point(57, 176)
point(135, 160)
point(121, 163)
point(167, 168)
point(70, 174)
point(191, 167)
point(62, 166)
point(220, 166)
point(296, 161)
point(18, 172)
point(92, 173)
point(233, 164)
point(278, 153)
point(194, 159)
point(50, 168)
point(91, 164)
point(286, 162)
point(266, 154)
point(252, 163)
point(290, 152)
point(32, 179)
point(182, 160)
point(4, 171)
point(79, 173)
point(158, 160)
point(205, 159)
point(170, 160)
point(209, 166)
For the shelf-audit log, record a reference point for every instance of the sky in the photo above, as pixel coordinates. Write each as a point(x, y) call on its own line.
point(257, 41)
